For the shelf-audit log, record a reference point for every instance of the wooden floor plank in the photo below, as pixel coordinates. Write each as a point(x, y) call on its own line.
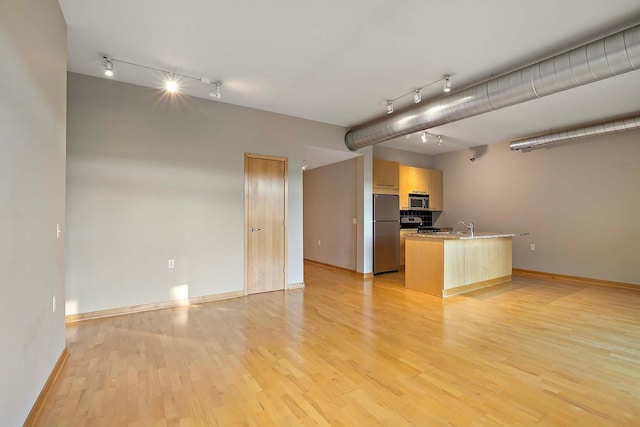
point(348, 351)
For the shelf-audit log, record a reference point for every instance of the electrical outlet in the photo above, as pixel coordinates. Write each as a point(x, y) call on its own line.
point(171, 263)
point(58, 231)
point(355, 221)
point(54, 304)
point(318, 242)
point(533, 246)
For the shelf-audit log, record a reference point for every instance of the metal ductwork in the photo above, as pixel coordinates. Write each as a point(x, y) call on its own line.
point(601, 59)
point(529, 144)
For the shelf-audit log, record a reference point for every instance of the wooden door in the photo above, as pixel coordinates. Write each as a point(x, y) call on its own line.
point(265, 222)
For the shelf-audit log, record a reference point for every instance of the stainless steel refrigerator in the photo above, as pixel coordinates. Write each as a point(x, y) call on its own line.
point(386, 233)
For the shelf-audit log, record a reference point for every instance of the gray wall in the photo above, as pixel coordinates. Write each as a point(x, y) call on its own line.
point(152, 178)
point(579, 202)
point(330, 196)
point(32, 192)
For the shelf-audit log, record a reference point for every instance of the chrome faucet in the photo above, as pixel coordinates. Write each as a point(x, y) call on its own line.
point(469, 226)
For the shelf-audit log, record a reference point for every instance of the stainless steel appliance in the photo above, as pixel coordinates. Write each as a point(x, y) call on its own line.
point(428, 229)
point(386, 233)
point(410, 222)
point(418, 201)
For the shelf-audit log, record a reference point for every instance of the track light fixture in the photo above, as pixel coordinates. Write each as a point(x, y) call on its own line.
point(216, 92)
point(424, 136)
point(447, 83)
point(171, 84)
point(108, 67)
point(305, 165)
point(416, 97)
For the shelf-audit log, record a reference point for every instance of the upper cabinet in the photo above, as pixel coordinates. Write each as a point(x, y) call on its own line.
point(421, 181)
point(435, 189)
point(385, 176)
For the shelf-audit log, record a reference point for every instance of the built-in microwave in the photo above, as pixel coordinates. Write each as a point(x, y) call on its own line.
point(418, 201)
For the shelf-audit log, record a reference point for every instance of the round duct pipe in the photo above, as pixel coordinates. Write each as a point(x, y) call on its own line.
point(529, 144)
point(607, 57)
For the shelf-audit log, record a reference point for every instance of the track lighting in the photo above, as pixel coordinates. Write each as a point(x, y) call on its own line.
point(417, 98)
point(171, 84)
point(108, 67)
point(216, 92)
point(447, 84)
point(424, 136)
point(305, 165)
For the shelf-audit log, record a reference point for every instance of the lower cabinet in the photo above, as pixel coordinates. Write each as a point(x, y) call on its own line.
point(403, 236)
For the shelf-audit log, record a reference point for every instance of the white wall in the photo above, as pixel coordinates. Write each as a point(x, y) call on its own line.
point(152, 178)
point(579, 201)
point(32, 192)
point(406, 158)
point(330, 205)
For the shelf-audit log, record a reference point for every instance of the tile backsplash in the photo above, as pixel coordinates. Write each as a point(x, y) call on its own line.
point(426, 216)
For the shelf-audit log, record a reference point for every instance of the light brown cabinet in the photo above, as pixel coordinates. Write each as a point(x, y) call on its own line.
point(435, 189)
point(385, 177)
point(403, 238)
point(420, 181)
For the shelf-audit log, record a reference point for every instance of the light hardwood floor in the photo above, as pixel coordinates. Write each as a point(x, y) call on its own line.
point(348, 351)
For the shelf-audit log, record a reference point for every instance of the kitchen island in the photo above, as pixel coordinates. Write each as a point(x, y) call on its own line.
point(445, 264)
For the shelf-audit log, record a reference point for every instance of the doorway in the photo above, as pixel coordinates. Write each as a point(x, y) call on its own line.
point(265, 212)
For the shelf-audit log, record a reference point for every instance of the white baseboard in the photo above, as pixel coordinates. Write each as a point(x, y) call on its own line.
point(148, 307)
point(291, 286)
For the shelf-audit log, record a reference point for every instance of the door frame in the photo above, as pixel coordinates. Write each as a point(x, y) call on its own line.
point(248, 156)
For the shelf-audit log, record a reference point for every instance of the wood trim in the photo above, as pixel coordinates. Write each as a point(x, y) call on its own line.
point(584, 280)
point(265, 157)
point(473, 286)
point(335, 267)
point(36, 410)
point(70, 318)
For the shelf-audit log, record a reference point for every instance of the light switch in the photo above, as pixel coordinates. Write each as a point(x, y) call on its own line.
point(171, 263)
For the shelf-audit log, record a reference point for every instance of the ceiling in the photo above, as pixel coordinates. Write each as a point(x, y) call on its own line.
point(339, 61)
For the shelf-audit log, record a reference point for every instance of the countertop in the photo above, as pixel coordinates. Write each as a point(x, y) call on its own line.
point(463, 235)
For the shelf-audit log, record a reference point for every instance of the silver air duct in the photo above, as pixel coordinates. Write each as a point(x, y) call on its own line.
point(601, 59)
point(529, 144)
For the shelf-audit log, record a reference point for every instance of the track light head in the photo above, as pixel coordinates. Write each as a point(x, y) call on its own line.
point(440, 140)
point(108, 67)
point(447, 84)
point(424, 137)
point(416, 97)
point(389, 107)
point(171, 84)
point(216, 92)
point(305, 165)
